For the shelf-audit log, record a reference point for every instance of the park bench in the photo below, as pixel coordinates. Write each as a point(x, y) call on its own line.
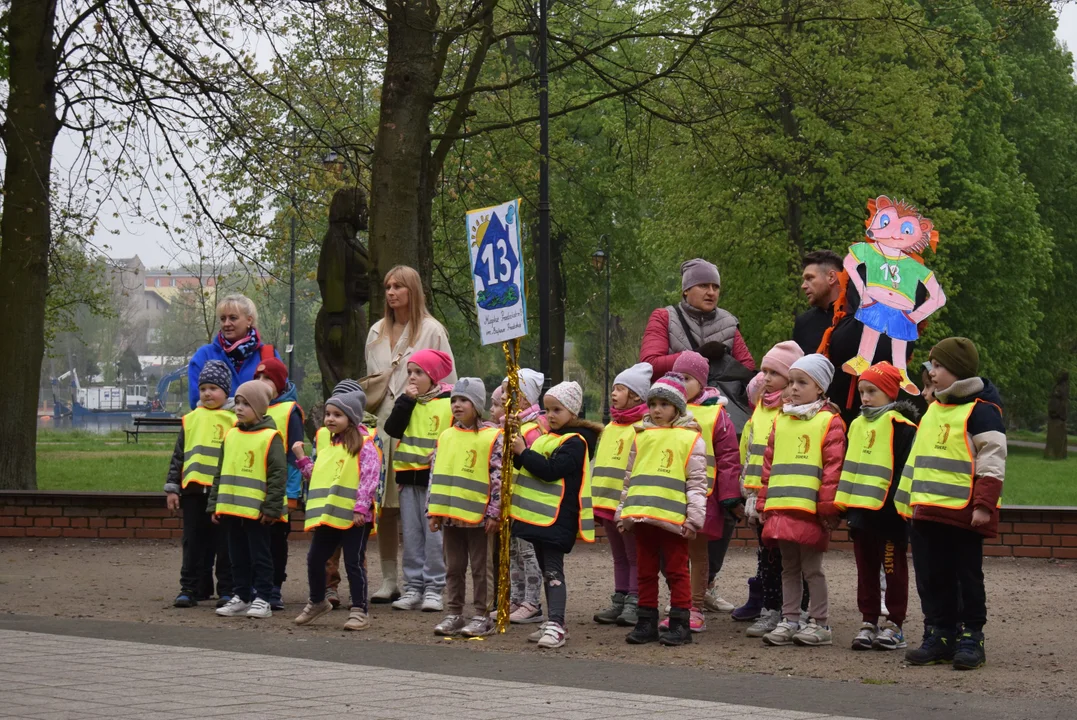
point(153, 426)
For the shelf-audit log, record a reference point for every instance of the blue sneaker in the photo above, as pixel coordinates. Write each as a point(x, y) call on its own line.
point(224, 600)
point(184, 600)
point(275, 600)
point(890, 638)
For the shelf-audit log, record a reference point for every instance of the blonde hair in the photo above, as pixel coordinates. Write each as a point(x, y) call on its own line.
point(409, 278)
point(243, 304)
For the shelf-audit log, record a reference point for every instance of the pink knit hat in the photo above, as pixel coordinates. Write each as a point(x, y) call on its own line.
point(435, 363)
point(781, 357)
point(693, 365)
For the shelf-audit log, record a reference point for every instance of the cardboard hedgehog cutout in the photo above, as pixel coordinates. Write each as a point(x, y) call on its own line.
point(893, 274)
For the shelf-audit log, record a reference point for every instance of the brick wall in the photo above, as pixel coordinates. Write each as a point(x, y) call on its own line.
point(1039, 532)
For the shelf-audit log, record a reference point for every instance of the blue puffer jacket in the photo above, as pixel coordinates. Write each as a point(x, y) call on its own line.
point(295, 432)
point(214, 351)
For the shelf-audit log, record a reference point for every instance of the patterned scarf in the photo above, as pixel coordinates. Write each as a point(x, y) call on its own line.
point(239, 351)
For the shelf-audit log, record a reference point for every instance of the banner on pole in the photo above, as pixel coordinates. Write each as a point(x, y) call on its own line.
point(497, 270)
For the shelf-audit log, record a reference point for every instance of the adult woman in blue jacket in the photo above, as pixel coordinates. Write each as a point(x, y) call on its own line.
point(237, 344)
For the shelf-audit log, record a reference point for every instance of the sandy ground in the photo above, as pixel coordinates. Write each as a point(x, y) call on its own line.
point(1029, 649)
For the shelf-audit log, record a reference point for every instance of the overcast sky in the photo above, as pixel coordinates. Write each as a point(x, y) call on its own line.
point(152, 246)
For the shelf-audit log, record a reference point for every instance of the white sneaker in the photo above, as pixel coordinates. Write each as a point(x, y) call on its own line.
point(715, 602)
point(767, 621)
point(783, 634)
point(410, 600)
point(259, 609)
point(814, 634)
point(234, 607)
point(537, 635)
point(866, 637)
point(432, 601)
point(553, 636)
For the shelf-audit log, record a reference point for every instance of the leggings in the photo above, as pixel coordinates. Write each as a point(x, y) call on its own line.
point(525, 574)
point(552, 563)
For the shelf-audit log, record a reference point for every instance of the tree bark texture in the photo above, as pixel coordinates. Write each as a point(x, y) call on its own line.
point(25, 234)
point(401, 194)
point(1058, 404)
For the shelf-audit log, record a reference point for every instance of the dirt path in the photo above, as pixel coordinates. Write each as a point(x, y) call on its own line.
point(1028, 655)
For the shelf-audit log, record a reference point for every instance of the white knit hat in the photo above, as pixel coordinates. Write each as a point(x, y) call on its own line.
point(817, 367)
point(569, 394)
point(531, 383)
point(636, 378)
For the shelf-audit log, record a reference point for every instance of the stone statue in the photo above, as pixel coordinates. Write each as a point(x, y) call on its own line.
point(344, 280)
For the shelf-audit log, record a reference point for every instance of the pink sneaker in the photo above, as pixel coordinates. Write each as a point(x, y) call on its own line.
point(664, 625)
point(696, 622)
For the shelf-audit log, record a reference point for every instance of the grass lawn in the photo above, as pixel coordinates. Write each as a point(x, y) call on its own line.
point(1031, 480)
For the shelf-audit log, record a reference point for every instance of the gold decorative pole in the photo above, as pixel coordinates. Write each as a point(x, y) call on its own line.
point(512, 368)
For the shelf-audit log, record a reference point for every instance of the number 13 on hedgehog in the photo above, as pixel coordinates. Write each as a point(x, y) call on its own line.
point(497, 270)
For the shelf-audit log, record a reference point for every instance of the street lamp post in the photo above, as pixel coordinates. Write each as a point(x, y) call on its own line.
point(544, 259)
point(601, 260)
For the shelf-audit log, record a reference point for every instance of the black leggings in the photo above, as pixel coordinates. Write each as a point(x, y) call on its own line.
point(552, 563)
point(325, 542)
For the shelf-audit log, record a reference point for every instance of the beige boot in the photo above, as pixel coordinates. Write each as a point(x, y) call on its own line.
point(389, 590)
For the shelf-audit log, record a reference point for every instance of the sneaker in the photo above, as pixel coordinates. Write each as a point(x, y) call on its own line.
point(333, 598)
point(410, 600)
point(276, 602)
point(259, 609)
point(526, 613)
point(224, 600)
point(234, 607)
point(553, 636)
point(609, 615)
point(716, 603)
point(696, 622)
point(630, 614)
point(890, 638)
point(938, 647)
point(970, 653)
point(768, 620)
point(357, 620)
point(313, 611)
point(480, 626)
point(782, 634)
point(537, 635)
point(450, 626)
point(432, 601)
point(865, 638)
point(814, 634)
point(184, 600)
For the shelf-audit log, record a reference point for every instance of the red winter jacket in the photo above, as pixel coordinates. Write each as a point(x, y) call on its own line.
point(797, 526)
point(655, 346)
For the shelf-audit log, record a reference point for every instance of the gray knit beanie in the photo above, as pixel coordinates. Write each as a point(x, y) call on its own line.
point(699, 272)
point(818, 368)
point(352, 404)
point(347, 386)
point(636, 378)
point(472, 389)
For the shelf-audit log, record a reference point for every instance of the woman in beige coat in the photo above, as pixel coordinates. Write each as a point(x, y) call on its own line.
point(406, 328)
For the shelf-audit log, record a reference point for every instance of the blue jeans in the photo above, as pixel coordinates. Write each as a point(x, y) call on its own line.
point(252, 563)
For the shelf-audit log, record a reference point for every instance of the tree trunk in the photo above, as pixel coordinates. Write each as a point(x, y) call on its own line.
point(1057, 447)
point(25, 234)
point(401, 192)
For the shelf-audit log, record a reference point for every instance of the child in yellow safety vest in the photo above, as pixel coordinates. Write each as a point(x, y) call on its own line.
point(421, 413)
point(764, 605)
point(190, 477)
point(952, 485)
point(664, 505)
point(627, 408)
point(551, 498)
point(801, 469)
point(248, 497)
point(340, 504)
point(286, 413)
point(879, 443)
point(464, 505)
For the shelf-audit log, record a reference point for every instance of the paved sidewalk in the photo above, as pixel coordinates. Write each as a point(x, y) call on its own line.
point(48, 677)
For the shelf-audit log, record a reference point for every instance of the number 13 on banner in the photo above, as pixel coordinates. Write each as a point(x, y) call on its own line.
point(497, 271)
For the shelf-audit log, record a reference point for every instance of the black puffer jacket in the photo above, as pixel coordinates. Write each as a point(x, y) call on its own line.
point(885, 522)
point(566, 462)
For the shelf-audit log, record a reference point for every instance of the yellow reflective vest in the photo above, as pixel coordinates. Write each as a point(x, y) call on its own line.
point(796, 470)
point(707, 417)
point(281, 414)
point(203, 436)
point(869, 462)
point(754, 439)
point(242, 489)
point(539, 503)
point(428, 421)
point(460, 480)
point(611, 460)
point(658, 488)
point(333, 485)
point(941, 466)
